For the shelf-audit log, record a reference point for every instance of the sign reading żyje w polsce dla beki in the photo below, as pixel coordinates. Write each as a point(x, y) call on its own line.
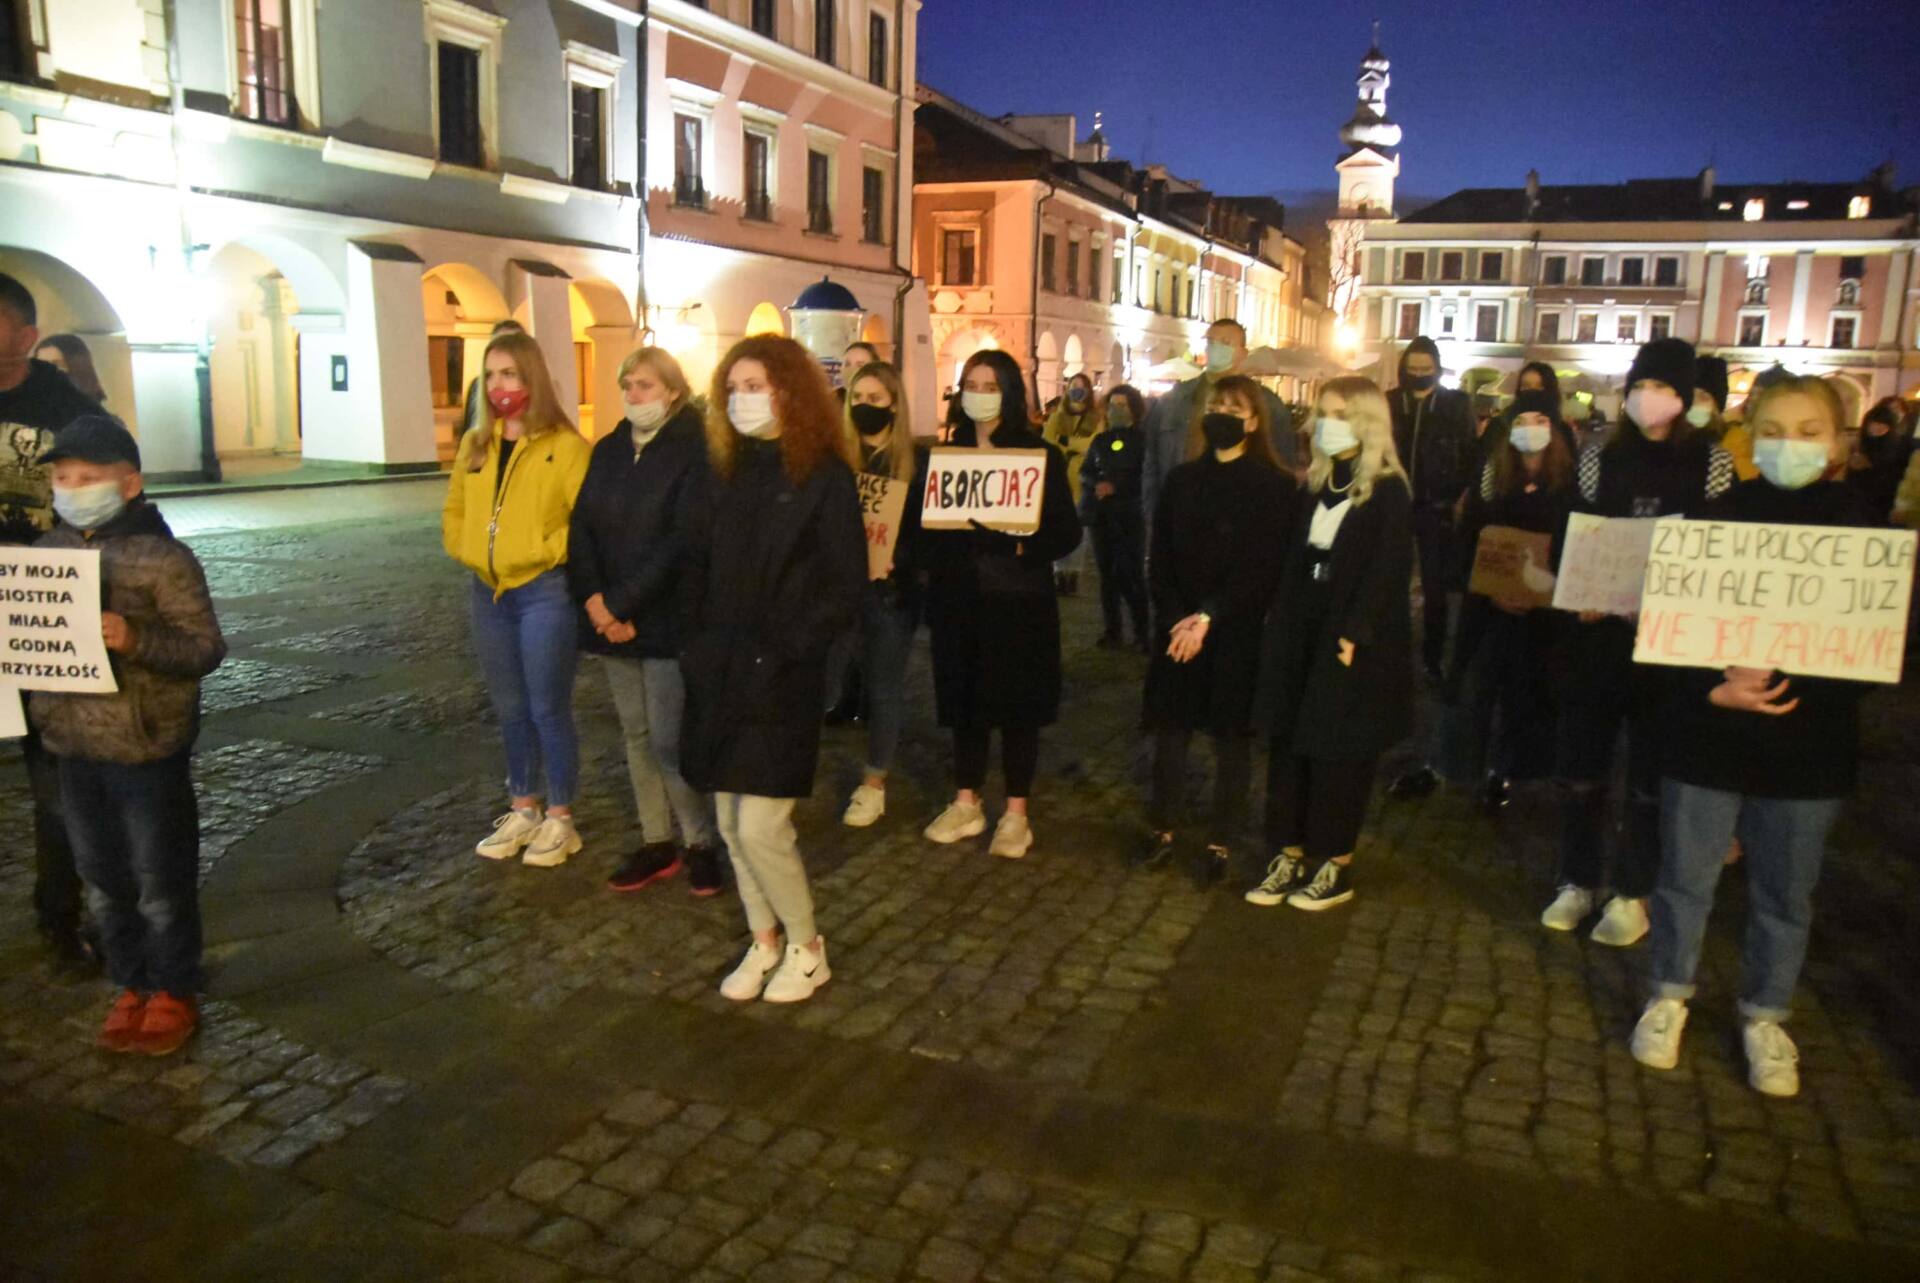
point(50, 621)
point(1817, 601)
point(998, 489)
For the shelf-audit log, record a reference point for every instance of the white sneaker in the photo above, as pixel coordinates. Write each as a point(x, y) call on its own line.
point(552, 843)
point(1773, 1062)
point(801, 973)
point(958, 821)
point(510, 832)
point(1656, 1035)
point(1012, 837)
point(868, 804)
point(746, 980)
point(1623, 922)
point(1569, 909)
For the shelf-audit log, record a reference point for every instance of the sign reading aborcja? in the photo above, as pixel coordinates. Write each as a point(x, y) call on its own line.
point(998, 489)
point(1816, 601)
point(50, 621)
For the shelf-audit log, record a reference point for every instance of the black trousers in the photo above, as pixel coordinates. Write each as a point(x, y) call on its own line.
point(56, 882)
point(1232, 781)
point(1589, 732)
point(1019, 757)
point(1433, 542)
point(1119, 550)
point(1315, 804)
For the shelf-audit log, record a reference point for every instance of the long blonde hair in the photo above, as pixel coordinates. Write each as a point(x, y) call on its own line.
point(543, 413)
point(1372, 422)
point(899, 445)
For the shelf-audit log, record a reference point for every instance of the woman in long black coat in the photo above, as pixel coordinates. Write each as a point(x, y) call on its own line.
point(993, 617)
point(774, 574)
point(1219, 535)
point(1337, 680)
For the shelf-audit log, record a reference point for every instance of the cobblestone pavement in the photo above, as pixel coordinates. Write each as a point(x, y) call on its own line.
point(1045, 1069)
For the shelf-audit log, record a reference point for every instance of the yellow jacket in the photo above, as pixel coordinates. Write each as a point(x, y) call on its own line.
point(1738, 442)
point(512, 538)
point(1073, 433)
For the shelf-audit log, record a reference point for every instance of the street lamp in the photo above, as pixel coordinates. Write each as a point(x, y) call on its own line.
point(825, 319)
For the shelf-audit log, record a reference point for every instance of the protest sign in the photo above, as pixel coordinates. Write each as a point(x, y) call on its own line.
point(50, 621)
point(1811, 601)
point(1603, 563)
point(1513, 565)
point(999, 489)
point(882, 501)
point(13, 713)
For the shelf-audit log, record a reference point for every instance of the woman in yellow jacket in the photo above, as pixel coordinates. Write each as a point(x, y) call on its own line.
point(509, 503)
point(1072, 425)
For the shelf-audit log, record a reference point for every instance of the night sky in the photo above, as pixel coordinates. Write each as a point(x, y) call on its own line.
point(1246, 95)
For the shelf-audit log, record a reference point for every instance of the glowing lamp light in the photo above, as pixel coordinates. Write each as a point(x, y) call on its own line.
point(1345, 336)
point(825, 319)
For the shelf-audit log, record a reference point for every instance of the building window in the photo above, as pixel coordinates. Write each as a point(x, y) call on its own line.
point(1048, 246)
point(1757, 290)
point(1093, 271)
point(589, 143)
point(1843, 331)
point(1859, 206)
point(757, 176)
point(1409, 321)
point(959, 256)
point(1413, 265)
point(823, 23)
point(1549, 331)
point(1754, 210)
point(1627, 328)
point(760, 17)
point(459, 96)
point(1453, 265)
point(1586, 327)
point(1593, 271)
point(819, 192)
point(263, 64)
point(1853, 267)
point(1666, 270)
point(873, 205)
point(1486, 323)
point(1493, 265)
point(1119, 275)
point(1073, 268)
point(1190, 298)
point(1659, 326)
point(1633, 271)
point(689, 161)
point(877, 49)
point(1753, 330)
point(465, 90)
point(1446, 320)
point(1554, 270)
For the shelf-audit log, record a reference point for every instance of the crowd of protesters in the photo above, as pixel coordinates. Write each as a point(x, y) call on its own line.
point(712, 561)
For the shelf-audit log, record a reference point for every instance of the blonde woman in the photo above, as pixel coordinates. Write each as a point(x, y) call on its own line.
point(509, 503)
point(878, 420)
point(1338, 679)
point(630, 529)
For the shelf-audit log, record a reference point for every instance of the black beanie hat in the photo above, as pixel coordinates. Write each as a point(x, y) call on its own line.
point(1668, 360)
point(1535, 401)
point(1710, 375)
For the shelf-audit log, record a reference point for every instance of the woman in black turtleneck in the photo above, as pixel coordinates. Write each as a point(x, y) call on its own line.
point(1218, 535)
point(1337, 668)
point(1656, 464)
point(1766, 754)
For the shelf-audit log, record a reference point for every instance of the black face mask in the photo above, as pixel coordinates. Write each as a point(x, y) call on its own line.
point(1421, 382)
point(870, 420)
point(1223, 431)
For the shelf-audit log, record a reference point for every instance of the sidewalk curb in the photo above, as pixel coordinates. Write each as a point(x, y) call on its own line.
point(203, 490)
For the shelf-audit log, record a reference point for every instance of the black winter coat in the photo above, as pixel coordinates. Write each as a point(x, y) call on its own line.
point(1219, 546)
point(774, 573)
point(1310, 702)
point(1437, 446)
point(30, 413)
point(629, 535)
point(991, 612)
point(1117, 457)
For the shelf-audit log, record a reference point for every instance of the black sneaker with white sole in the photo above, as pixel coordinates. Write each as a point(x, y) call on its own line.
point(1332, 884)
point(1286, 873)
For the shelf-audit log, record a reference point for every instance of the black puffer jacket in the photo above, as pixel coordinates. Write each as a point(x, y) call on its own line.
point(1434, 437)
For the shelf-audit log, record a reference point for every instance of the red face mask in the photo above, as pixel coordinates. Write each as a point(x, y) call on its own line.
point(508, 403)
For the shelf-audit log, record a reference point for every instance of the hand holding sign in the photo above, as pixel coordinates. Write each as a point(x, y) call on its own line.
point(1510, 566)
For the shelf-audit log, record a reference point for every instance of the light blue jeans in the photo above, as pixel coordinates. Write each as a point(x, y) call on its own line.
point(886, 642)
point(1783, 841)
point(650, 696)
point(526, 645)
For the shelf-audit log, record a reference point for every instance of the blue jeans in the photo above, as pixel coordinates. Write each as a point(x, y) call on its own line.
point(886, 638)
point(526, 645)
point(1783, 841)
point(136, 839)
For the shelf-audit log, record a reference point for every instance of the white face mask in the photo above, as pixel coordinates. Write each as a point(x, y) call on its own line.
point(1790, 463)
point(1219, 357)
point(1699, 415)
point(981, 407)
point(1529, 438)
point(1653, 407)
point(751, 413)
point(647, 417)
point(1333, 436)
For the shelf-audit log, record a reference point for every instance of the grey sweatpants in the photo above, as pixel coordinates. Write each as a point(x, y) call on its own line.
point(649, 695)
point(773, 886)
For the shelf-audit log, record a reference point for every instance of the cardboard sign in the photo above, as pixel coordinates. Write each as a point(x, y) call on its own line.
point(1603, 563)
point(1510, 564)
point(13, 713)
point(882, 502)
point(999, 489)
point(50, 621)
point(1812, 601)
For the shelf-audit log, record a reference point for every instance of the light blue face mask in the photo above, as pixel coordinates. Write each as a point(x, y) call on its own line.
point(1334, 436)
point(89, 507)
point(1790, 464)
point(1219, 357)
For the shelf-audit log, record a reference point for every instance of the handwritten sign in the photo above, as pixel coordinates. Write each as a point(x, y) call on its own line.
point(1815, 601)
point(50, 621)
point(1603, 563)
point(1510, 564)
point(882, 502)
point(999, 489)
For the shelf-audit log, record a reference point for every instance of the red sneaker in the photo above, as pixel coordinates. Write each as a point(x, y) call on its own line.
point(166, 1025)
point(122, 1029)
